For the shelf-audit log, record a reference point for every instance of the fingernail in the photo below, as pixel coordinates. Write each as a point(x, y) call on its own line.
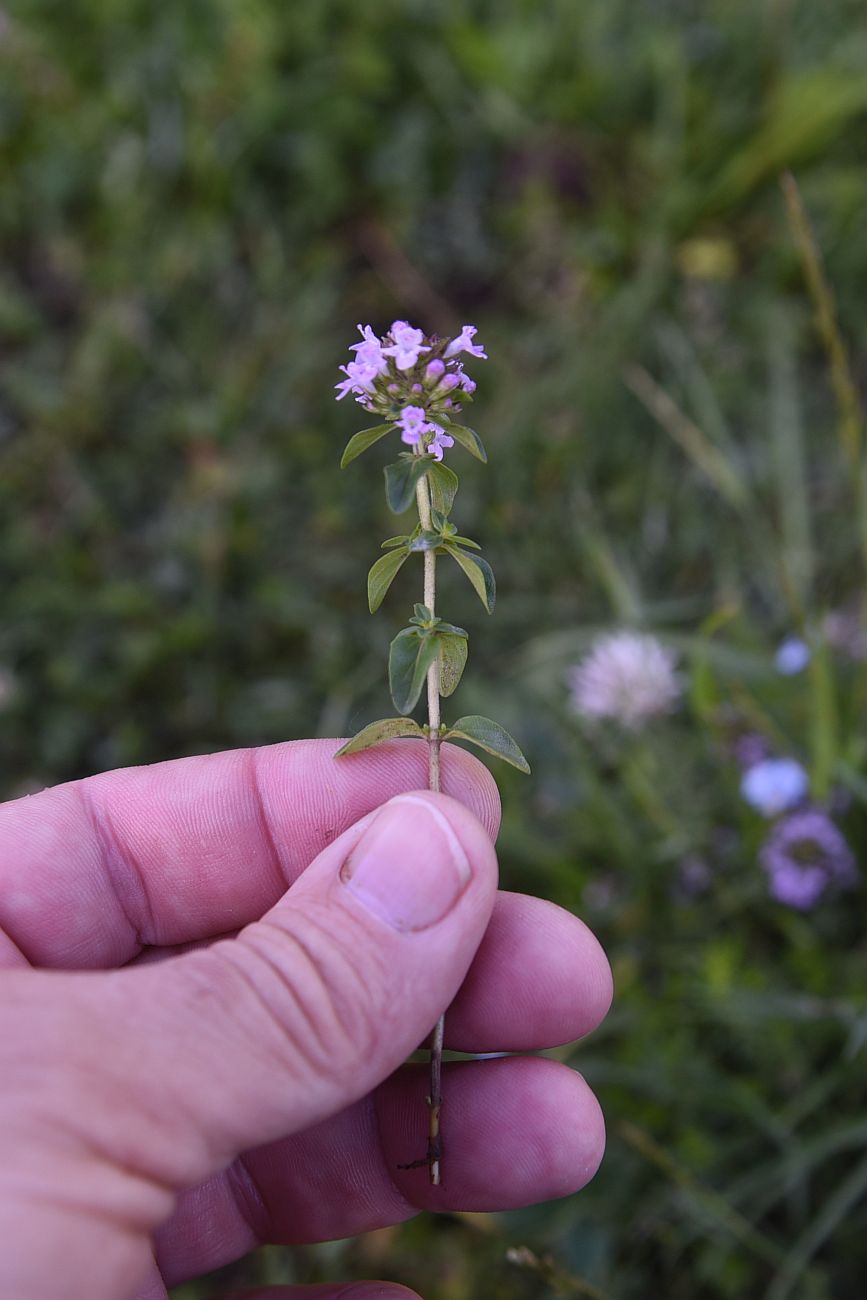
point(408, 868)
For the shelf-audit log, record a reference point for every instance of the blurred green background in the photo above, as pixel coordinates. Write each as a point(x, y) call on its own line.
point(199, 202)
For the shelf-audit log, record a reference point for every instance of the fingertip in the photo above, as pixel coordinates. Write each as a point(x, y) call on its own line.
point(464, 823)
point(516, 1131)
point(467, 779)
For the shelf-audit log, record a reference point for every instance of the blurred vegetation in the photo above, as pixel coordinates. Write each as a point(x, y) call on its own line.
point(200, 201)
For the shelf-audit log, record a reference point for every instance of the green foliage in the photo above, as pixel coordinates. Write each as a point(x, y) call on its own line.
point(443, 484)
point(377, 732)
point(470, 439)
point(480, 574)
point(410, 655)
point(360, 442)
point(400, 481)
point(382, 574)
point(453, 651)
point(490, 737)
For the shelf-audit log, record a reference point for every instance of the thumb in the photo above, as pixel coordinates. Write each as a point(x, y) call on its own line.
point(184, 1064)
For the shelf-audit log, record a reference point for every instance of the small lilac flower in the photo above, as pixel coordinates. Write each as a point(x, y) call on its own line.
point(359, 379)
point(439, 440)
point(792, 656)
point(628, 676)
point(798, 887)
point(464, 343)
point(412, 424)
point(434, 369)
point(804, 855)
point(369, 350)
point(774, 784)
point(467, 384)
point(407, 346)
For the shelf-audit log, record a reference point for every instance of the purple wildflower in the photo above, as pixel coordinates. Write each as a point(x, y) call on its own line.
point(804, 855)
point(394, 378)
point(439, 440)
point(359, 380)
point(412, 424)
point(407, 347)
point(792, 656)
point(774, 784)
point(628, 676)
point(464, 343)
point(369, 350)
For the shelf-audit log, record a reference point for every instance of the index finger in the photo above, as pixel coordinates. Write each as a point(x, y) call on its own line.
point(93, 871)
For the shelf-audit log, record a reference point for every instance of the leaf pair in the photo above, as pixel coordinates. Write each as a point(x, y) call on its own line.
point(481, 732)
point(384, 570)
point(411, 654)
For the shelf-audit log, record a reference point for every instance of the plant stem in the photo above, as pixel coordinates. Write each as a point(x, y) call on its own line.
point(434, 1101)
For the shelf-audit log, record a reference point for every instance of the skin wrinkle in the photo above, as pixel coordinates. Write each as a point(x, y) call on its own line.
point(121, 869)
point(250, 1205)
point(282, 873)
point(332, 1007)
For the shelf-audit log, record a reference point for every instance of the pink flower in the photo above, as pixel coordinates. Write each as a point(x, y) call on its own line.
point(464, 343)
point(369, 350)
point(408, 344)
point(439, 440)
point(359, 379)
point(628, 676)
point(412, 424)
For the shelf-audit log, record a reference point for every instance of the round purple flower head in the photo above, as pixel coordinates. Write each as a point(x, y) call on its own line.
point(792, 656)
point(804, 855)
point(413, 382)
point(774, 784)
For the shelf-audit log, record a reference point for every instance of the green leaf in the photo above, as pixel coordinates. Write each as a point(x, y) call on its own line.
point(465, 541)
point(425, 540)
point(391, 542)
point(490, 737)
point(443, 486)
point(480, 574)
point(470, 439)
point(410, 655)
point(360, 442)
point(377, 732)
point(382, 575)
point(400, 481)
point(453, 658)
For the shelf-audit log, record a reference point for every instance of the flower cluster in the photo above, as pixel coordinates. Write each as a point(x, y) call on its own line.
point(804, 855)
point(627, 676)
point(413, 381)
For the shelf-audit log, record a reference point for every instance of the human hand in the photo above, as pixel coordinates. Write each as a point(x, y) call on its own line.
point(159, 1118)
